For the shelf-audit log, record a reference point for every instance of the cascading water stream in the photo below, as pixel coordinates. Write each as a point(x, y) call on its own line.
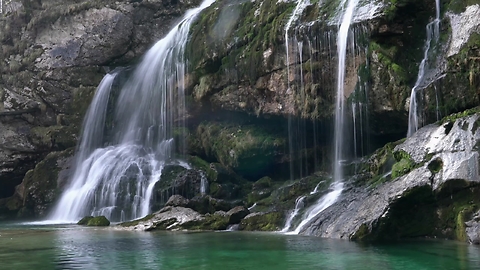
point(415, 119)
point(117, 180)
point(340, 99)
point(301, 5)
point(299, 204)
point(336, 187)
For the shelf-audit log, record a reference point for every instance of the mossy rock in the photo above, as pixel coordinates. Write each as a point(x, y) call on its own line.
point(402, 167)
point(272, 221)
point(282, 195)
point(215, 46)
point(459, 6)
point(97, 221)
point(378, 166)
point(42, 183)
point(207, 204)
point(246, 149)
point(456, 205)
point(54, 137)
point(213, 222)
point(264, 182)
point(412, 215)
point(84, 220)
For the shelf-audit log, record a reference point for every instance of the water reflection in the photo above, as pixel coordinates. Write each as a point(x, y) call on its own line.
point(74, 247)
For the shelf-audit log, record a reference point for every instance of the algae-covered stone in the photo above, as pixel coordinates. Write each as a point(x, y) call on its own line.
point(177, 180)
point(213, 222)
point(98, 221)
point(84, 220)
point(248, 150)
point(40, 187)
point(260, 221)
point(208, 204)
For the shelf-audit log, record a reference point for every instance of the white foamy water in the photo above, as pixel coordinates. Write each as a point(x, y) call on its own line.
point(115, 176)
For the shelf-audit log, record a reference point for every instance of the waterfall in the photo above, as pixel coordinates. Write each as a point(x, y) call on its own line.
point(340, 99)
point(323, 203)
point(301, 5)
point(203, 184)
point(336, 187)
point(298, 205)
point(115, 176)
point(359, 102)
point(415, 118)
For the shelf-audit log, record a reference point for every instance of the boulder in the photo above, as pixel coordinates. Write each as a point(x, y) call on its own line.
point(168, 218)
point(177, 200)
point(94, 221)
point(236, 214)
point(84, 220)
point(98, 221)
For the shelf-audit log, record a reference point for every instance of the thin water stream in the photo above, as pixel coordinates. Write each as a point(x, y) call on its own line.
point(415, 117)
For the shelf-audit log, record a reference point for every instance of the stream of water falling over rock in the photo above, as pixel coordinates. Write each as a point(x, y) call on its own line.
point(115, 177)
point(301, 5)
point(336, 187)
point(415, 118)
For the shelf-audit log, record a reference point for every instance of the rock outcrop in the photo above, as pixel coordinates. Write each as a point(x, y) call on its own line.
point(435, 196)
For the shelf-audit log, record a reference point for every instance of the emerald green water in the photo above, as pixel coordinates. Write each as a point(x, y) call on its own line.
point(74, 247)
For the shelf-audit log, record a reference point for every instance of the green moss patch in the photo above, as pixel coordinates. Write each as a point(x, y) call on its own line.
point(248, 150)
point(459, 6)
point(94, 221)
point(272, 221)
point(212, 222)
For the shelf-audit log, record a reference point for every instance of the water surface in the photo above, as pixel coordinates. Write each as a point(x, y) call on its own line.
point(74, 247)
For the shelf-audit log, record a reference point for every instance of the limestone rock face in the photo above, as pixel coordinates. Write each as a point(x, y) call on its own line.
point(245, 69)
point(92, 37)
point(463, 25)
point(434, 197)
point(473, 229)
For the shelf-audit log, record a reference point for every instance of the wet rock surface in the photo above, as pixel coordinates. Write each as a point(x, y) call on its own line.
point(434, 198)
point(473, 229)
